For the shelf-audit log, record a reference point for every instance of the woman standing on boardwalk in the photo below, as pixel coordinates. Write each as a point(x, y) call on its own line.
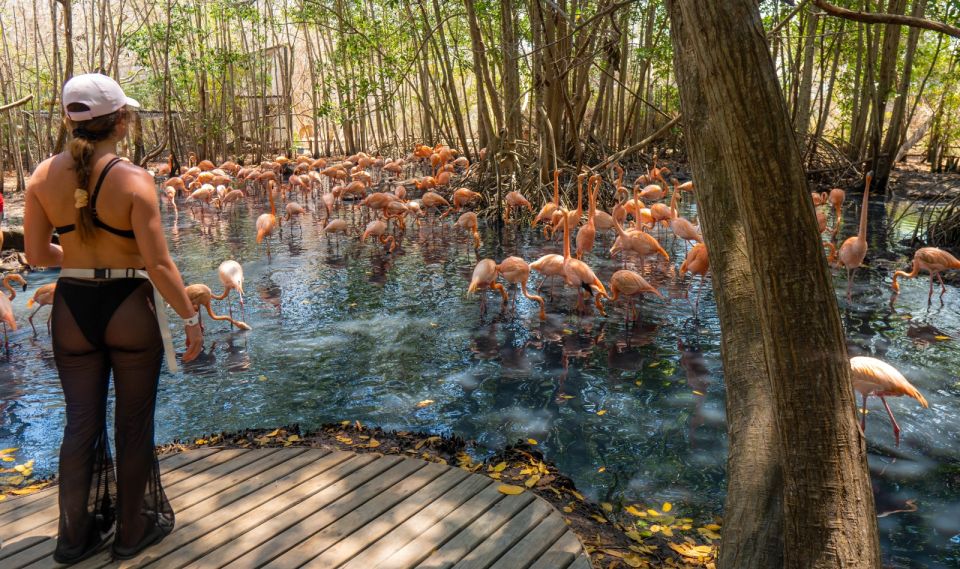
point(108, 316)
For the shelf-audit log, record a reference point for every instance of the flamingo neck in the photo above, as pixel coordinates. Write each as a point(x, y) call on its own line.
point(556, 187)
point(862, 234)
point(580, 195)
point(673, 200)
point(566, 241)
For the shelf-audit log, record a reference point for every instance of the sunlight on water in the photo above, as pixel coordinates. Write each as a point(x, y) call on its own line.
point(343, 331)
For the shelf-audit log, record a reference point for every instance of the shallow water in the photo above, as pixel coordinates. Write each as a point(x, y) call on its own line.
point(343, 331)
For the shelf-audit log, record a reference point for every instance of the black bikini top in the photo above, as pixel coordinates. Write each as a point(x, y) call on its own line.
point(128, 233)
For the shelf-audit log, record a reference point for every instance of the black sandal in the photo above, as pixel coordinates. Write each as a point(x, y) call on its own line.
point(153, 534)
point(95, 542)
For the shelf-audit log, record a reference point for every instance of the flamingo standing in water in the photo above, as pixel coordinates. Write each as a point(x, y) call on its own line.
point(377, 228)
point(698, 263)
point(588, 233)
point(836, 198)
point(549, 265)
point(515, 199)
point(43, 296)
point(854, 249)
point(580, 276)
point(468, 222)
point(6, 307)
point(546, 212)
point(267, 221)
point(636, 241)
point(485, 277)
point(871, 376)
point(231, 276)
point(631, 285)
point(201, 295)
point(516, 271)
point(930, 259)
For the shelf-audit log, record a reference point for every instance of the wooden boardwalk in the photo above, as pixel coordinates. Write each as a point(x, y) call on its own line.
point(303, 507)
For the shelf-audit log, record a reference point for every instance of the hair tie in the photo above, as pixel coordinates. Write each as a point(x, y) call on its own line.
point(80, 198)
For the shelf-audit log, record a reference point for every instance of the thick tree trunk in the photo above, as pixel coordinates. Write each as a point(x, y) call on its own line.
point(753, 516)
point(511, 72)
point(827, 501)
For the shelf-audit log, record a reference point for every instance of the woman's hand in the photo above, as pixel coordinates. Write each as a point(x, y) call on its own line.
point(194, 343)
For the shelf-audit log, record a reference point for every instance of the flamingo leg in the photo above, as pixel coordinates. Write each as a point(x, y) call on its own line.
point(943, 287)
point(849, 282)
point(930, 294)
point(896, 427)
point(863, 414)
point(30, 320)
point(6, 341)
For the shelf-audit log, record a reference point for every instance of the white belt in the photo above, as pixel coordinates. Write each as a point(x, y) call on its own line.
point(158, 302)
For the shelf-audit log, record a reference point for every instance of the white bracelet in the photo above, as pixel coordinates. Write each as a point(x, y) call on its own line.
point(193, 320)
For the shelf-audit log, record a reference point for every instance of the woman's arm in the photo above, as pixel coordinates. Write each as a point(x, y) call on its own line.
point(148, 230)
point(37, 230)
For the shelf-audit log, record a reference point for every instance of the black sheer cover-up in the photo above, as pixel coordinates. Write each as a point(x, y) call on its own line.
point(101, 326)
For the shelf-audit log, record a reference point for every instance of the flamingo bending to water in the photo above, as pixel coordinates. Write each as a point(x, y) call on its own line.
point(43, 296)
point(930, 259)
point(516, 271)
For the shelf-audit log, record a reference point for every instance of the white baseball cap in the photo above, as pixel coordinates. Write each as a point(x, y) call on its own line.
point(101, 94)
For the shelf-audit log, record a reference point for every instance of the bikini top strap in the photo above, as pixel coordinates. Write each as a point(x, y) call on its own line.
point(96, 189)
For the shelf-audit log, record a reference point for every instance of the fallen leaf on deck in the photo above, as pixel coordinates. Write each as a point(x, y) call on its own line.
point(532, 481)
point(510, 489)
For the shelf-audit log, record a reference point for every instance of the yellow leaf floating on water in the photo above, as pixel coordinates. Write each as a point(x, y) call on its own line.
point(7, 458)
point(262, 378)
point(941, 338)
point(533, 441)
point(653, 512)
point(632, 510)
point(667, 506)
point(698, 393)
point(510, 489)
point(607, 506)
point(602, 412)
point(565, 396)
point(602, 469)
point(9, 450)
point(424, 403)
point(532, 481)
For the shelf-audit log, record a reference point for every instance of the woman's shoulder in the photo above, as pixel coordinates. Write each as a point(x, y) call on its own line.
point(41, 173)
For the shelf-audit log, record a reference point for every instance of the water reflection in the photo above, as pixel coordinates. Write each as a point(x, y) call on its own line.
point(345, 331)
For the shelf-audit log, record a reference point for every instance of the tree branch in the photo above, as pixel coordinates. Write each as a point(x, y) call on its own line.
point(16, 104)
point(872, 18)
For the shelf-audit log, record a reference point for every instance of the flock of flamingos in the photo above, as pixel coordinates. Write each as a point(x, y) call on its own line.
point(643, 214)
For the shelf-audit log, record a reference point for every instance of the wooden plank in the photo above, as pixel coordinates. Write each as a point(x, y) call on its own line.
point(275, 484)
point(485, 552)
point(215, 465)
point(224, 544)
point(561, 554)
point(169, 463)
point(533, 545)
point(582, 562)
point(265, 462)
point(489, 503)
point(478, 531)
point(49, 529)
point(295, 529)
point(378, 517)
point(421, 522)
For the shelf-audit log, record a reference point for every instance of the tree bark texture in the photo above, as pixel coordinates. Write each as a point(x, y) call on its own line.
point(827, 500)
